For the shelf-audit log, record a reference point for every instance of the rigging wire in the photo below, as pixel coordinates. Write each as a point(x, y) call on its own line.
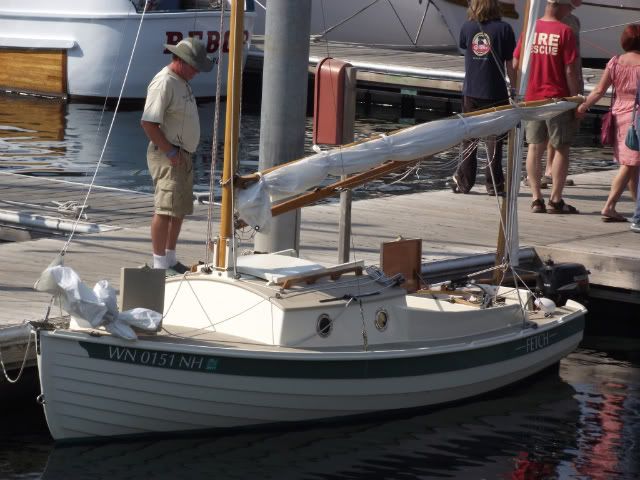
point(324, 19)
point(413, 41)
point(422, 20)
point(106, 141)
point(401, 22)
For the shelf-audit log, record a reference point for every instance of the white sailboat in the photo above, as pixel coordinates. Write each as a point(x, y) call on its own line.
point(398, 24)
point(273, 338)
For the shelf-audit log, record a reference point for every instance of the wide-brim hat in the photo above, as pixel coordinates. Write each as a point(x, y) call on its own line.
point(193, 52)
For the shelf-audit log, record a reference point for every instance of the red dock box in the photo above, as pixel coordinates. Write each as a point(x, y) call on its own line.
point(329, 102)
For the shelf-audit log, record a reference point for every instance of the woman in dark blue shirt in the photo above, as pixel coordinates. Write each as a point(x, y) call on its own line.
point(488, 43)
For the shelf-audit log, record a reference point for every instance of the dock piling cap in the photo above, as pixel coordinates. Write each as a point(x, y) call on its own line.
point(192, 51)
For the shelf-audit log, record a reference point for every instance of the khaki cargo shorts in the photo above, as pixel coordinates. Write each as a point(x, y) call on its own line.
point(559, 130)
point(173, 185)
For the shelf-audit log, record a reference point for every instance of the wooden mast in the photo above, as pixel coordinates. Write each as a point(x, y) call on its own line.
point(232, 130)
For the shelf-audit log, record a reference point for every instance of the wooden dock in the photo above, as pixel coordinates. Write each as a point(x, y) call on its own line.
point(450, 225)
point(410, 73)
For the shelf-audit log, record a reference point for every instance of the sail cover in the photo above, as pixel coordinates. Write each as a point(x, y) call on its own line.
point(420, 141)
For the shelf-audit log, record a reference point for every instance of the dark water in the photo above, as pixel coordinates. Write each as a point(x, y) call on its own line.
point(579, 422)
point(65, 141)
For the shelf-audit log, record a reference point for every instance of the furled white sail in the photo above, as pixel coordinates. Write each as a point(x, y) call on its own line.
point(93, 308)
point(420, 141)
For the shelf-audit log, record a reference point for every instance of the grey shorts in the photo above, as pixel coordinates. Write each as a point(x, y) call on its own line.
point(559, 130)
point(173, 185)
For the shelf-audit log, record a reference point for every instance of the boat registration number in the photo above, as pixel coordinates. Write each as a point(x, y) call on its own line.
point(152, 358)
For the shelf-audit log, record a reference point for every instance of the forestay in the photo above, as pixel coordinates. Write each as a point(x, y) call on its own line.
point(254, 202)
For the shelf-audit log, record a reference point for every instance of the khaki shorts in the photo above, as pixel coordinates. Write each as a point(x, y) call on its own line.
point(173, 185)
point(559, 130)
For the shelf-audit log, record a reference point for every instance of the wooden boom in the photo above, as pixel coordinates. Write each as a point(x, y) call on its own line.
point(350, 182)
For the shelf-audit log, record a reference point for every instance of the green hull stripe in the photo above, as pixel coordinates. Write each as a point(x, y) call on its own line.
point(422, 363)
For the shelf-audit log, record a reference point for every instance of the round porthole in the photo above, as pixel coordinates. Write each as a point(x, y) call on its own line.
point(382, 319)
point(324, 325)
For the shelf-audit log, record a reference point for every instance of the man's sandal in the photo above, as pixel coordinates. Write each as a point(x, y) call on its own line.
point(537, 206)
point(561, 207)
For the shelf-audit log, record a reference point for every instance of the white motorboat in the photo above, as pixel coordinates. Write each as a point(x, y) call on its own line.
point(272, 338)
point(82, 48)
point(398, 24)
point(602, 22)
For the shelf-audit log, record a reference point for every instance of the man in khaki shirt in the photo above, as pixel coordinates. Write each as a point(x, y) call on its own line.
point(170, 121)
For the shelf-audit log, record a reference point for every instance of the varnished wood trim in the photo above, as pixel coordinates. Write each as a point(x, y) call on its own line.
point(33, 71)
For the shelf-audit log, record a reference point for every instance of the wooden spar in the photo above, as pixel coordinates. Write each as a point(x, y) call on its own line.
point(232, 130)
point(349, 182)
point(254, 177)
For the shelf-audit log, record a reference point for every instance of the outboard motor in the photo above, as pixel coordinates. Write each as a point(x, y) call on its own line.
point(563, 281)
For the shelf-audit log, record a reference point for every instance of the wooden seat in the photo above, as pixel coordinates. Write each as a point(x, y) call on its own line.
point(313, 276)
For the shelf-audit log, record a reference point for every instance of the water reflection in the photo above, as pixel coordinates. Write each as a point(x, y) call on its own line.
point(32, 134)
point(50, 137)
point(609, 398)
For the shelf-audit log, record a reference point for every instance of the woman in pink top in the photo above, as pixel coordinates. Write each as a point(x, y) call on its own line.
point(623, 72)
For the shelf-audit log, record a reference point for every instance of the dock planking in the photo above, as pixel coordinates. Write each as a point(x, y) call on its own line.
point(450, 226)
point(397, 69)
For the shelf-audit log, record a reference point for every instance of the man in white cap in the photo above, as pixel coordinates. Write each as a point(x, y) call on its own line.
point(553, 74)
point(170, 121)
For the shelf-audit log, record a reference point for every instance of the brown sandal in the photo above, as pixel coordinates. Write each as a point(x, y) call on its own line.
point(561, 207)
point(537, 206)
point(613, 218)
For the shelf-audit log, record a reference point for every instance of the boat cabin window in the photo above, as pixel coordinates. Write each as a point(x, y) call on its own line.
point(176, 5)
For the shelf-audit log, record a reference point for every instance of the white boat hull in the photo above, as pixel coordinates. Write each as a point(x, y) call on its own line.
point(405, 24)
point(96, 40)
point(103, 386)
point(602, 22)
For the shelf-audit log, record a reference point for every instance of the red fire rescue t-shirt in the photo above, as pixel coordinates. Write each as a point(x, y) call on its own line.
point(553, 48)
